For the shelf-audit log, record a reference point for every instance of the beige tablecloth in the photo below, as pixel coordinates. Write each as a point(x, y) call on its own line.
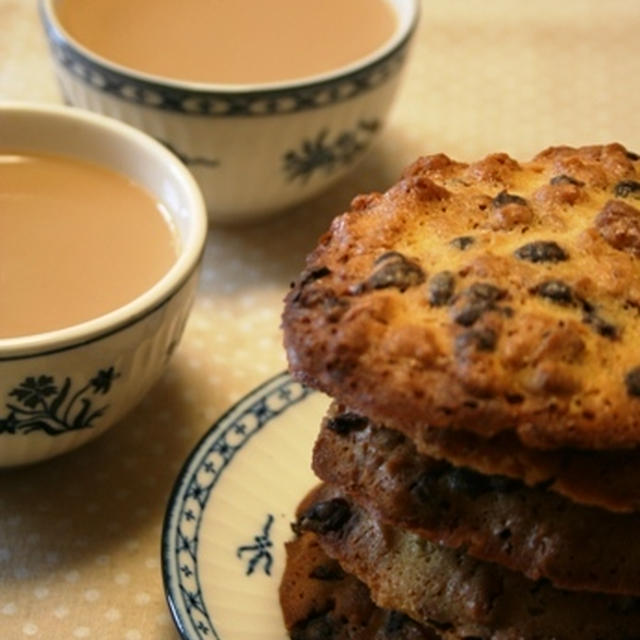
point(80, 535)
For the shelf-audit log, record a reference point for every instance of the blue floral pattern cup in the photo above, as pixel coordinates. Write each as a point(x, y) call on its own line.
point(254, 149)
point(62, 388)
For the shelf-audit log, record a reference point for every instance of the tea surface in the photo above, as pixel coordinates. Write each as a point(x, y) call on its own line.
point(76, 241)
point(229, 41)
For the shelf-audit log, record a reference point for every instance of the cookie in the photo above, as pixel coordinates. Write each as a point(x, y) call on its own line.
point(319, 601)
point(489, 297)
point(606, 479)
point(448, 589)
point(494, 518)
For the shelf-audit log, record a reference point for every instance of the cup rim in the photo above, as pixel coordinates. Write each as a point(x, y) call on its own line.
point(190, 251)
point(386, 49)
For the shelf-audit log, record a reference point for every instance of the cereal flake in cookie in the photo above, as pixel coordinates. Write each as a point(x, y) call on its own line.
point(491, 297)
point(492, 517)
point(448, 589)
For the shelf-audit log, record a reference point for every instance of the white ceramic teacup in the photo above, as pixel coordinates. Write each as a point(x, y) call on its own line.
point(62, 388)
point(254, 149)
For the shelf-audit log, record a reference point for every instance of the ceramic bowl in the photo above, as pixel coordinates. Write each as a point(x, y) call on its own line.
point(253, 149)
point(62, 388)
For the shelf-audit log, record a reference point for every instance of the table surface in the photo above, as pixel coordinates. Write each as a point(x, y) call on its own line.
point(80, 535)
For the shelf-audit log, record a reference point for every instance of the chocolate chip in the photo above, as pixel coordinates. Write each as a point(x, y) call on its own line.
point(329, 571)
point(505, 198)
point(467, 482)
point(468, 315)
point(441, 286)
point(632, 156)
point(315, 628)
point(346, 422)
point(308, 277)
point(474, 484)
point(430, 484)
point(632, 381)
point(395, 622)
point(474, 301)
point(395, 270)
point(625, 188)
point(332, 306)
point(425, 486)
point(388, 255)
point(600, 325)
point(565, 179)
point(462, 242)
point(476, 339)
point(322, 517)
point(556, 291)
point(596, 321)
point(587, 307)
point(541, 251)
point(314, 274)
point(486, 292)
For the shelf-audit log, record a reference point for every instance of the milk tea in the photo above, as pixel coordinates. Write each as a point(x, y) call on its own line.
point(76, 241)
point(230, 41)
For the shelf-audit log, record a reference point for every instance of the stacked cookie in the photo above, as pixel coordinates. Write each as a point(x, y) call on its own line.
point(478, 327)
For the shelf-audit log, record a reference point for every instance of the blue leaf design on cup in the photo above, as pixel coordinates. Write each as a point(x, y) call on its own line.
point(39, 403)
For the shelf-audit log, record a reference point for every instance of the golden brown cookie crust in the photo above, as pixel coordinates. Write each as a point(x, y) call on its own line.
point(492, 297)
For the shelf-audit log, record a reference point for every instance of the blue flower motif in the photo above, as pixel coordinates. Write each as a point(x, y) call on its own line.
point(102, 381)
point(322, 153)
point(32, 391)
point(44, 405)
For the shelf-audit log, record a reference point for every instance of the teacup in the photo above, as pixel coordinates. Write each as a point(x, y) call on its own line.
point(254, 149)
point(63, 387)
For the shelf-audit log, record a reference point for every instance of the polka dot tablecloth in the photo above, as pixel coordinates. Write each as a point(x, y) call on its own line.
point(80, 535)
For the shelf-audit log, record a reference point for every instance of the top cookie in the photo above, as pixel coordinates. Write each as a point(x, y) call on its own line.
point(490, 297)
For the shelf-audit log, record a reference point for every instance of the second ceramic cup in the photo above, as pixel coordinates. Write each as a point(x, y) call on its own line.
point(254, 149)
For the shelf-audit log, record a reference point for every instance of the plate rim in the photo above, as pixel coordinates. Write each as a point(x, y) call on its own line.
point(184, 475)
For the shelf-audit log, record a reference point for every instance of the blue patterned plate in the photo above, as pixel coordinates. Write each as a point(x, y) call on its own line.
point(230, 514)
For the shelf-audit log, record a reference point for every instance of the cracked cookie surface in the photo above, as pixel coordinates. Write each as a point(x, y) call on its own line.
point(492, 297)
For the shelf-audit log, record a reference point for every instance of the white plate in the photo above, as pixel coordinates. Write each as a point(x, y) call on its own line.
point(231, 510)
